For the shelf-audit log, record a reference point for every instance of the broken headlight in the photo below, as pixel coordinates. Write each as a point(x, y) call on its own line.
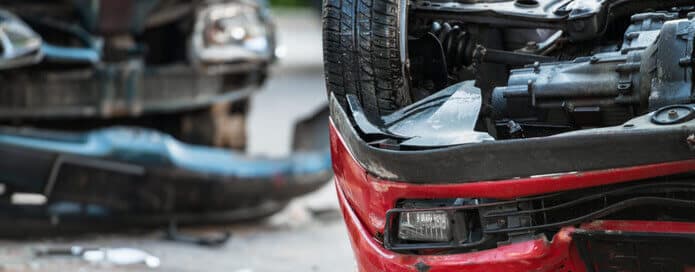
point(234, 32)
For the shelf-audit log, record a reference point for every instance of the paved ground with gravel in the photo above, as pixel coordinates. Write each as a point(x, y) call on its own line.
point(308, 235)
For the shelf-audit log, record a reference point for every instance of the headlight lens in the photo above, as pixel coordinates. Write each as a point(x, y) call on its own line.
point(235, 24)
point(430, 226)
point(230, 32)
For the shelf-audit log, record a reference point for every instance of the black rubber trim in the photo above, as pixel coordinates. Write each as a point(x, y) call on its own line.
point(516, 158)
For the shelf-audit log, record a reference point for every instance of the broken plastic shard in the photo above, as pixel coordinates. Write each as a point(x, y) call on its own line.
point(451, 123)
point(121, 256)
point(19, 44)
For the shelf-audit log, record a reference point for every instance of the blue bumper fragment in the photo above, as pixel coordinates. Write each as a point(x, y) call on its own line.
point(136, 176)
point(153, 148)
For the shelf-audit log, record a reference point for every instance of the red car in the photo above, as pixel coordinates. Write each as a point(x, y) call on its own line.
point(500, 135)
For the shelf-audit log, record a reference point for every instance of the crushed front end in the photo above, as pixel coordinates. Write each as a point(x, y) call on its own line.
point(569, 163)
point(617, 200)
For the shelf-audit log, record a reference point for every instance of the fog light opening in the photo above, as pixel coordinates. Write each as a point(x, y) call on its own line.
point(424, 226)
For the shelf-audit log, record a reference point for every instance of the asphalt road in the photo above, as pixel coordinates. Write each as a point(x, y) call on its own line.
point(308, 235)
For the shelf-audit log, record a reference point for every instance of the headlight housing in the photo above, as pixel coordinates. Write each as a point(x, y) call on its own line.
point(233, 32)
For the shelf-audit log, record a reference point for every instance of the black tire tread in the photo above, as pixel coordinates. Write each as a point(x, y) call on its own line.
point(362, 54)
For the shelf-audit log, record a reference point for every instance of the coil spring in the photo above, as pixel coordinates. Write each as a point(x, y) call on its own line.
point(455, 42)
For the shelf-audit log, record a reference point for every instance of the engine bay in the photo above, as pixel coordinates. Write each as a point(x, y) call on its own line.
point(497, 70)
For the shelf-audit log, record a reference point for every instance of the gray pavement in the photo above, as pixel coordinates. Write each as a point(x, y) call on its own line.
point(308, 235)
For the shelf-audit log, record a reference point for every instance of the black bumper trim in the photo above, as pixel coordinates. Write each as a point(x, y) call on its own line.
point(487, 161)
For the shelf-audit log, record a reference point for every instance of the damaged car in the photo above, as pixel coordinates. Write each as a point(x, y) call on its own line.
point(117, 113)
point(514, 135)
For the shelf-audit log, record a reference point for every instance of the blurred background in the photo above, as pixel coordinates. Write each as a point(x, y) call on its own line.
point(307, 235)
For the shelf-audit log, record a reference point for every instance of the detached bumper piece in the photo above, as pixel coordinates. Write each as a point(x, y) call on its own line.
point(122, 176)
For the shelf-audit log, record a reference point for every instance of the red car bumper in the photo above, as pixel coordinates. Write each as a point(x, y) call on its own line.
point(365, 199)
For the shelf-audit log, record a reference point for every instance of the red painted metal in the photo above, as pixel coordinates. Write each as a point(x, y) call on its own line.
point(364, 200)
point(534, 255)
point(371, 197)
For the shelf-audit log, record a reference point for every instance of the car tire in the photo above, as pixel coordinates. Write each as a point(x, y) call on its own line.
point(362, 54)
